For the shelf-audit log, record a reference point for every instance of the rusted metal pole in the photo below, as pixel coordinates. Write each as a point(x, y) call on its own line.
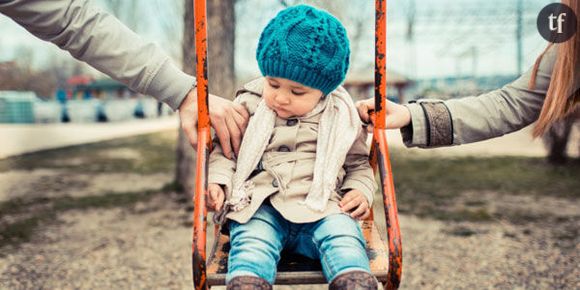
point(382, 149)
point(203, 149)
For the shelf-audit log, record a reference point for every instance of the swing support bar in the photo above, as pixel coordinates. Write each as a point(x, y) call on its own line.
point(203, 149)
point(381, 149)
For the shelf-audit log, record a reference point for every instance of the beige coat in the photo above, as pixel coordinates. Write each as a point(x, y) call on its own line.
point(286, 170)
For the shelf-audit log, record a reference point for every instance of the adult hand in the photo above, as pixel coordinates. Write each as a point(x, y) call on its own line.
point(398, 116)
point(228, 119)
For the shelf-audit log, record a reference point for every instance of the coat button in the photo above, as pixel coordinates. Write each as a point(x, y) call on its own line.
point(275, 183)
point(283, 148)
point(291, 122)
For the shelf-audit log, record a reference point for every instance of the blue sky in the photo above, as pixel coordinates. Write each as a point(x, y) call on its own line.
point(451, 37)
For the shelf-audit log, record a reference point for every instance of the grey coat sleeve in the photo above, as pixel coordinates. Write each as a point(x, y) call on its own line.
point(102, 41)
point(471, 119)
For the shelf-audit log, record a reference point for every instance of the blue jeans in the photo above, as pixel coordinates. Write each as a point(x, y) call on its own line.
point(256, 245)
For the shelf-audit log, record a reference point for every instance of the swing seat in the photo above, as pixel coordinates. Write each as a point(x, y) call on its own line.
point(297, 269)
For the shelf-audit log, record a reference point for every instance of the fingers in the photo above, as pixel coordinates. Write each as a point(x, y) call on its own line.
point(241, 121)
point(188, 120)
point(365, 215)
point(350, 202)
point(363, 111)
point(362, 210)
point(241, 110)
point(348, 197)
point(190, 131)
point(355, 203)
point(220, 201)
point(210, 201)
point(364, 107)
point(228, 119)
point(188, 117)
point(240, 116)
point(216, 197)
point(235, 133)
point(397, 115)
point(223, 135)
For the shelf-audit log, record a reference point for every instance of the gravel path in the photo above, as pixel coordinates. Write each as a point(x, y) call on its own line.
point(147, 246)
point(24, 138)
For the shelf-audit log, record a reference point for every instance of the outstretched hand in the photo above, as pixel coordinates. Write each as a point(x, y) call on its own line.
point(228, 119)
point(398, 116)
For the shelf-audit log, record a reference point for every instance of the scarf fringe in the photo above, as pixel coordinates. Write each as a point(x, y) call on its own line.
point(241, 198)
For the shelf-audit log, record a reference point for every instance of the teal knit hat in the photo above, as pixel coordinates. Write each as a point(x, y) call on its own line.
point(305, 45)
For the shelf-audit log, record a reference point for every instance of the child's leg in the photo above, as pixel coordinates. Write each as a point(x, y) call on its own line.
point(338, 242)
point(256, 245)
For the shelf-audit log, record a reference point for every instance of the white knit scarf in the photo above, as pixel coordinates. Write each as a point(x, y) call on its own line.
point(337, 130)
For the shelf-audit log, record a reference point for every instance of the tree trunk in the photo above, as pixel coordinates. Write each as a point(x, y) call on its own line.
point(221, 33)
point(221, 37)
point(556, 140)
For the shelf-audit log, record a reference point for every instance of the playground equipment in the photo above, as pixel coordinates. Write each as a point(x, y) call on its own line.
point(385, 254)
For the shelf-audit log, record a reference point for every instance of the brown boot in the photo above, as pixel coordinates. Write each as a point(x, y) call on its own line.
point(354, 280)
point(248, 283)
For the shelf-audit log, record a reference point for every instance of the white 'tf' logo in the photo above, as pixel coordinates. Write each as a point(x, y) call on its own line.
point(560, 19)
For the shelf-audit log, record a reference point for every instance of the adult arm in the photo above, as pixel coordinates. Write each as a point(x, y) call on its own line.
point(476, 118)
point(99, 39)
point(435, 123)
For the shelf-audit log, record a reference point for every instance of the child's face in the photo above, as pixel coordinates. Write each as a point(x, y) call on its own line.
point(288, 98)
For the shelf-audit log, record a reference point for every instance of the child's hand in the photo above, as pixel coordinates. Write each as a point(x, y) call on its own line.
point(216, 197)
point(356, 202)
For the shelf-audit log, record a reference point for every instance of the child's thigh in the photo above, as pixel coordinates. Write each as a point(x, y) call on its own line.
point(260, 239)
point(337, 227)
point(337, 237)
point(340, 245)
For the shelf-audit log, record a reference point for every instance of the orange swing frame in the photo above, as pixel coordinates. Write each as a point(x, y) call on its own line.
point(379, 155)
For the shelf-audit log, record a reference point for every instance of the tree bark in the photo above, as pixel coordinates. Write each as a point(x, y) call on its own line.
point(556, 140)
point(221, 39)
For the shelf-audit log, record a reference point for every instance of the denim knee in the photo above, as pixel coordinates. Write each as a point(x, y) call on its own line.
point(255, 246)
point(341, 245)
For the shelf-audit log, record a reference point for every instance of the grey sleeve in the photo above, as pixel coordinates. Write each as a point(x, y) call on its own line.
point(102, 41)
point(471, 119)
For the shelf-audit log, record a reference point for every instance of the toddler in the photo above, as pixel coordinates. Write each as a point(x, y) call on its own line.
point(302, 177)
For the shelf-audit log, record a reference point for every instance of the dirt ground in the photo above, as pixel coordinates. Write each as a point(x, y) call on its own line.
point(147, 245)
point(90, 242)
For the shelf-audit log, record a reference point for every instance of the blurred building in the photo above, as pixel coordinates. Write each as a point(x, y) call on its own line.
point(82, 87)
point(361, 86)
